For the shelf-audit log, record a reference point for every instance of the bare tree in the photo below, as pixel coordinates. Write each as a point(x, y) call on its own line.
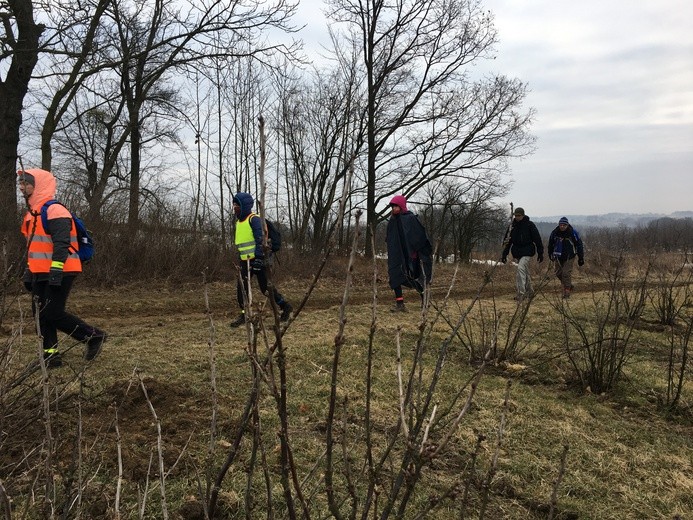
point(72, 46)
point(320, 132)
point(424, 118)
point(19, 45)
point(143, 48)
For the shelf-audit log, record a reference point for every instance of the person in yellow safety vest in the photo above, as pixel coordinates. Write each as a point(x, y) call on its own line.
point(249, 235)
point(52, 265)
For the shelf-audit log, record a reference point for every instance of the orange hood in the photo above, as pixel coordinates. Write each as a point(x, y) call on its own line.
point(44, 188)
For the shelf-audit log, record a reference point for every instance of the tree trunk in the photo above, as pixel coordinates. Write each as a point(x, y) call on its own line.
point(12, 91)
point(134, 206)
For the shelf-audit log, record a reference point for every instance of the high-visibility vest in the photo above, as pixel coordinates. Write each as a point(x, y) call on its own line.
point(40, 247)
point(245, 240)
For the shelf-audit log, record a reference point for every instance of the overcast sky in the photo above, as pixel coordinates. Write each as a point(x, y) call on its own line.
point(612, 85)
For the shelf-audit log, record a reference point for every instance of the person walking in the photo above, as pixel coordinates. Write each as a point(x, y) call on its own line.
point(52, 266)
point(524, 242)
point(564, 245)
point(249, 239)
point(409, 260)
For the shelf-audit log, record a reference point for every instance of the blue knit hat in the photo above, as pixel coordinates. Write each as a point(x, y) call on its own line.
point(564, 220)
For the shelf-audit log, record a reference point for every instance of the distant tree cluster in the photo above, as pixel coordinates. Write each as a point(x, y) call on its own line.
point(666, 234)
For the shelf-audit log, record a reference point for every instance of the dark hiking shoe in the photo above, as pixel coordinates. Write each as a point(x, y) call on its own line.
point(94, 345)
point(286, 312)
point(398, 307)
point(53, 360)
point(238, 321)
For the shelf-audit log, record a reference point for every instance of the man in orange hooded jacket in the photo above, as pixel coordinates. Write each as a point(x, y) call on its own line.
point(52, 265)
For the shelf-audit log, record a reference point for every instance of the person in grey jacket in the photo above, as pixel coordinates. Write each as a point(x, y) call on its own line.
point(523, 244)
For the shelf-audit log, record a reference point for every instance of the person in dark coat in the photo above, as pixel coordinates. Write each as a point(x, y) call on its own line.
point(523, 244)
point(409, 260)
point(564, 245)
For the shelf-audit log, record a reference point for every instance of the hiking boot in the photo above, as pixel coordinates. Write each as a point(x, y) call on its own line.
point(398, 307)
point(286, 312)
point(567, 291)
point(94, 345)
point(53, 359)
point(238, 321)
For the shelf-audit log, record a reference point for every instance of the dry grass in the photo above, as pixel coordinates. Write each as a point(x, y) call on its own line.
point(626, 459)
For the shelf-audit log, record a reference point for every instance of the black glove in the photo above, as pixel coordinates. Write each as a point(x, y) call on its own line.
point(55, 277)
point(28, 280)
point(504, 259)
point(581, 262)
point(540, 258)
point(257, 264)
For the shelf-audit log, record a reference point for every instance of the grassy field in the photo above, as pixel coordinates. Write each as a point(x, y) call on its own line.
point(170, 387)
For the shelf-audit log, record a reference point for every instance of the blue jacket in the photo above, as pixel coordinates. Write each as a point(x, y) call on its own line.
point(565, 244)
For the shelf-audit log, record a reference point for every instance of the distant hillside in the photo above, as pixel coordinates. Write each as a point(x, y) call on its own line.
point(612, 219)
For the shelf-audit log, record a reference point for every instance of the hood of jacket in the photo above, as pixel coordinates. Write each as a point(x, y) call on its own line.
point(399, 200)
point(245, 201)
point(45, 186)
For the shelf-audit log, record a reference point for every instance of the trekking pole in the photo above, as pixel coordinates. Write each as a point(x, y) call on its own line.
point(506, 237)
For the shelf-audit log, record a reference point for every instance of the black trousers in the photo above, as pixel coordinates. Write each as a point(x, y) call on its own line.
point(51, 302)
point(262, 282)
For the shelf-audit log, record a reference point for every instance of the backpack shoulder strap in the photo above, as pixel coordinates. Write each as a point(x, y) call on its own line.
point(44, 212)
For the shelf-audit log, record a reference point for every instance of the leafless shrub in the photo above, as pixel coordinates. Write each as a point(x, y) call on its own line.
point(599, 346)
point(677, 367)
point(672, 292)
point(486, 331)
point(633, 297)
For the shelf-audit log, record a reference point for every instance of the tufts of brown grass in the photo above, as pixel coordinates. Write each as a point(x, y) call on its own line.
point(626, 458)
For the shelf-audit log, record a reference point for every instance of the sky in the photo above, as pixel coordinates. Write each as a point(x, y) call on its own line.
point(611, 82)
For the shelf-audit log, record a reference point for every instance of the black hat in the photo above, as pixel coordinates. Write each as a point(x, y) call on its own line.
point(27, 178)
point(519, 211)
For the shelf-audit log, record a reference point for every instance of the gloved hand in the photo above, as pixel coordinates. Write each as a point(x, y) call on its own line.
point(28, 280)
point(257, 264)
point(504, 259)
point(55, 277)
point(540, 258)
point(581, 262)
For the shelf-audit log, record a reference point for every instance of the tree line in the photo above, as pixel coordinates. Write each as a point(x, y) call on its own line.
point(147, 111)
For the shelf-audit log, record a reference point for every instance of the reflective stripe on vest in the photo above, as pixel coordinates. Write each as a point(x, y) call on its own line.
point(40, 247)
point(245, 240)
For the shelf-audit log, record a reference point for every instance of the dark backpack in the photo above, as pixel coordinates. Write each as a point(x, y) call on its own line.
point(274, 235)
point(85, 240)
